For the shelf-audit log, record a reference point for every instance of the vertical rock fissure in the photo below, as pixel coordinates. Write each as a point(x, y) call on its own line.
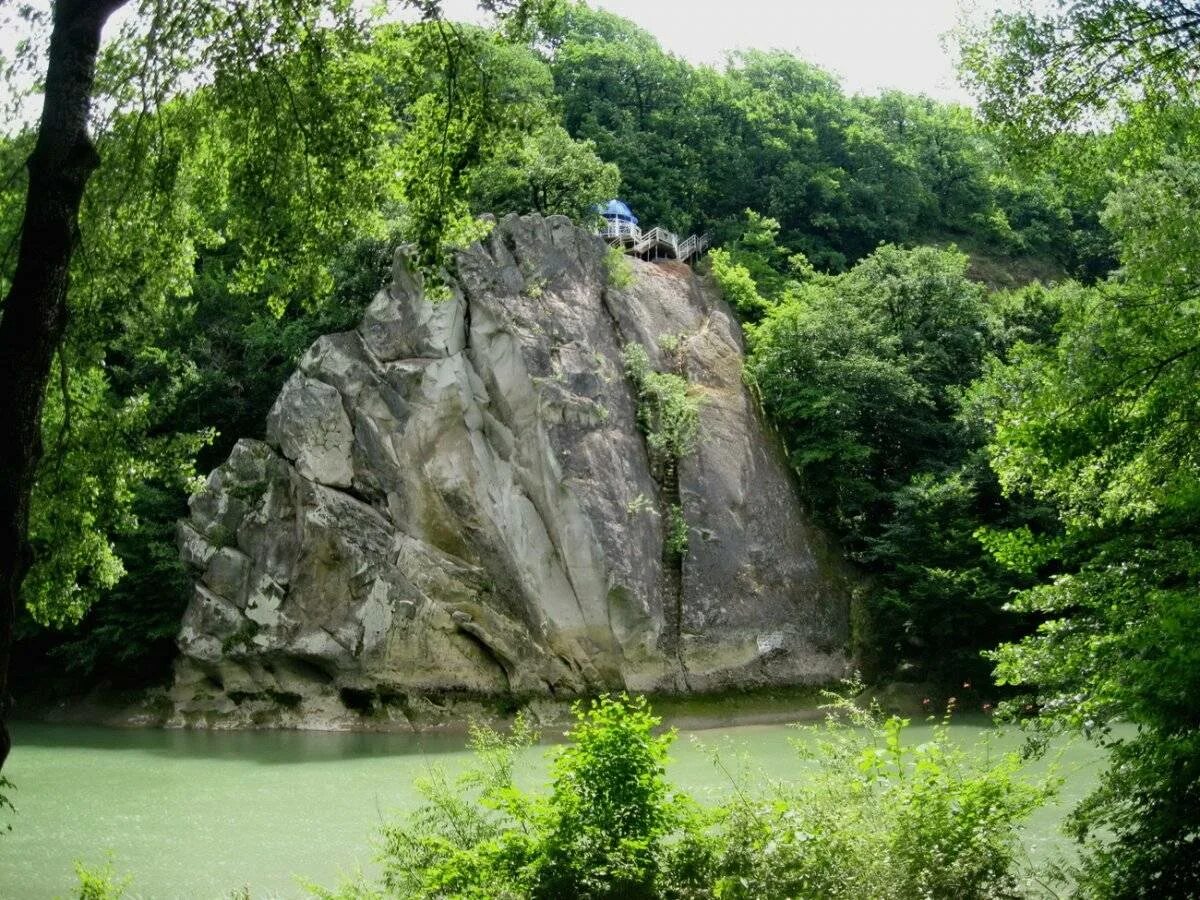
point(466, 302)
point(670, 499)
point(665, 472)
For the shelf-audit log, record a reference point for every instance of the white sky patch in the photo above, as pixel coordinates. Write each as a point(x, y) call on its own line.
point(872, 45)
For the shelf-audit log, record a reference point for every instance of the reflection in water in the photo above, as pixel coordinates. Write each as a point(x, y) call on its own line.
point(265, 747)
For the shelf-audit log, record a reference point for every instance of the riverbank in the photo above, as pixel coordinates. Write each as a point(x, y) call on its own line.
point(151, 708)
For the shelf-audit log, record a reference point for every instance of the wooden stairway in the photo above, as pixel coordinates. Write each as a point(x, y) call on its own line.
point(656, 243)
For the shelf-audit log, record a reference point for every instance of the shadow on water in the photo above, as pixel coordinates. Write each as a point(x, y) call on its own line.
point(257, 746)
point(276, 747)
point(775, 706)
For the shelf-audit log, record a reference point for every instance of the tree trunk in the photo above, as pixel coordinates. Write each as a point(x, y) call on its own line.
point(34, 315)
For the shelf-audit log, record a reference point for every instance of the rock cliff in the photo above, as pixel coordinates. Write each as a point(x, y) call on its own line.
point(455, 506)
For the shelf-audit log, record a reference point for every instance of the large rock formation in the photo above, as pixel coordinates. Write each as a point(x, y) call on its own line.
point(455, 505)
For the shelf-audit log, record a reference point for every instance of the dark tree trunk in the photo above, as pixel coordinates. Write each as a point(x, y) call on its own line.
point(34, 315)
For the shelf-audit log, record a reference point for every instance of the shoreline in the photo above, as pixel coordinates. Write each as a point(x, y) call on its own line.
point(144, 709)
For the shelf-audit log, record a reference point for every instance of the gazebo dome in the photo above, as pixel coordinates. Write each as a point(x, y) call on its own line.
point(618, 210)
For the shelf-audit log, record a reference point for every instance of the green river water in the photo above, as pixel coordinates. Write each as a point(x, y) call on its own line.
point(198, 814)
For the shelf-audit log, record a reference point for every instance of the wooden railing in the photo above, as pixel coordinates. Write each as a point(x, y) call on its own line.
point(657, 242)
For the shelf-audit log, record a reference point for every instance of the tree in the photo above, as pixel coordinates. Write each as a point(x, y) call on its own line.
point(35, 307)
point(620, 91)
point(863, 373)
point(1101, 425)
point(36, 311)
point(547, 173)
point(1039, 74)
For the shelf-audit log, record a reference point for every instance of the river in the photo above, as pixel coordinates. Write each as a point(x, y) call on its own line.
point(192, 814)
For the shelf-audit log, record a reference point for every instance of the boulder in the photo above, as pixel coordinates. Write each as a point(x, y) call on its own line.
point(455, 506)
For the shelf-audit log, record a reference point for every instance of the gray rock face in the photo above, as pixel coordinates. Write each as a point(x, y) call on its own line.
point(455, 506)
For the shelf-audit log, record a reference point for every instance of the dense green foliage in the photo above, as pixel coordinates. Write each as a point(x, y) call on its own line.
point(864, 374)
point(1101, 425)
point(1014, 471)
point(546, 172)
point(873, 816)
point(775, 134)
point(1104, 429)
point(876, 816)
point(1040, 72)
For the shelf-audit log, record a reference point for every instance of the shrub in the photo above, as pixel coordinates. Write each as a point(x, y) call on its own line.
point(600, 832)
point(465, 839)
point(677, 532)
point(610, 809)
point(737, 286)
point(100, 883)
point(668, 410)
point(617, 269)
point(881, 818)
point(869, 816)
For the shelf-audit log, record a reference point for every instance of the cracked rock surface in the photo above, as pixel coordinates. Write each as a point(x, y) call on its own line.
point(455, 509)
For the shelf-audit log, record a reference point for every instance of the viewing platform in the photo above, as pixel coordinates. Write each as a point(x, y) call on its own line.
point(621, 229)
point(657, 243)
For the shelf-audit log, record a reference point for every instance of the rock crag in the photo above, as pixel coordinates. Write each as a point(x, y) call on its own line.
point(455, 508)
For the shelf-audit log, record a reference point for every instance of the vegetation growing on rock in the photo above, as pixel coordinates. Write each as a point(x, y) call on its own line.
point(668, 410)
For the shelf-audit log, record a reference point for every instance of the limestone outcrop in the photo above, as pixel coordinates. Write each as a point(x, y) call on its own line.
point(455, 506)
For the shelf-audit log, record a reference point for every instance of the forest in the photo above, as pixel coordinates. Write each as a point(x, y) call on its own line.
point(976, 332)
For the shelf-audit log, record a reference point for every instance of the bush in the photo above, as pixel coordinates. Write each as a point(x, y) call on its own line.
point(668, 410)
point(737, 286)
point(881, 818)
point(600, 832)
point(677, 532)
point(452, 844)
point(100, 883)
point(617, 268)
point(870, 816)
point(610, 808)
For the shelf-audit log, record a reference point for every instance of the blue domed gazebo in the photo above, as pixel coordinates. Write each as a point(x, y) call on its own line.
point(617, 211)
